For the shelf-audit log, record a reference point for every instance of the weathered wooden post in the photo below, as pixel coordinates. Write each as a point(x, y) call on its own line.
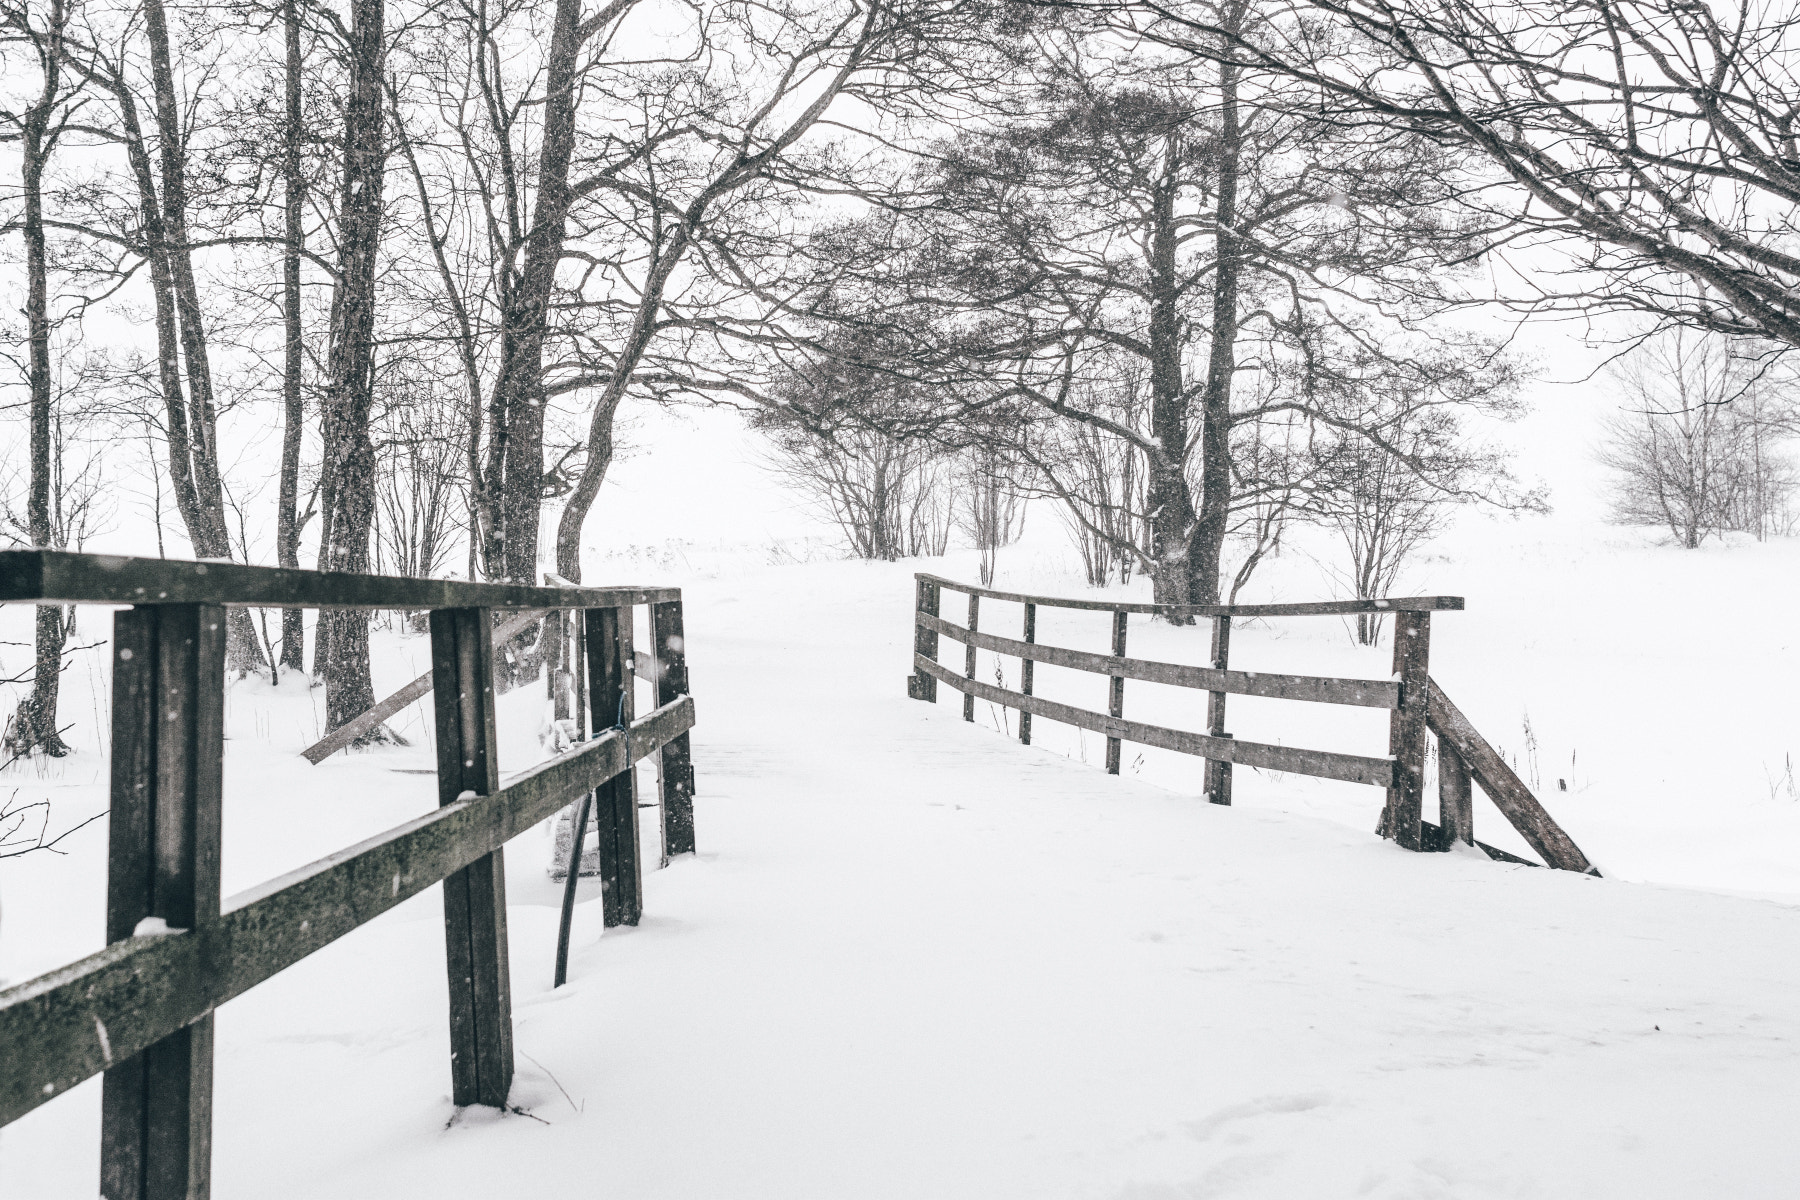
point(1406, 730)
point(1456, 808)
point(919, 685)
point(1218, 770)
point(969, 655)
point(481, 1045)
point(163, 863)
point(1026, 671)
point(610, 665)
point(1116, 691)
point(677, 757)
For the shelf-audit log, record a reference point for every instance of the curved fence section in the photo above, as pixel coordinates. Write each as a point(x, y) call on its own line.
point(1417, 706)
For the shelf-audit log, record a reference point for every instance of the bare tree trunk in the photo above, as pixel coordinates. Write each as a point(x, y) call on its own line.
point(287, 510)
point(243, 652)
point(1215, 408)
point(1171, 505)
point(34, 724)
point(347, 478)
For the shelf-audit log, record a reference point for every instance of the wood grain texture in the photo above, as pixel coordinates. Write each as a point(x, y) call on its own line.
point(919, 685)
point(481, 1050)
point(611, 663)
point(670, 674)
point(1027, 672)
point(1366, 693)
point(1218, 771)
point(1456, 808)
point(1504, 787)
point(70, 1024)
point(62, 577)
point(163, 862)
point(1351, 768)
point(1115, 688)
point(1406, 730)
point(1322, 608)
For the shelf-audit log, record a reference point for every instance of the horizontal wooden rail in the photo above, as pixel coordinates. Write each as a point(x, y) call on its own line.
point(1321, 608)
point(1351, 768)
point(1504, 787)
point(72, 1024)
point(61, 577)
point(1368, 693)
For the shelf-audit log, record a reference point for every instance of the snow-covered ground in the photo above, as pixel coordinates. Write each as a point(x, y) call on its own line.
point(914, 959)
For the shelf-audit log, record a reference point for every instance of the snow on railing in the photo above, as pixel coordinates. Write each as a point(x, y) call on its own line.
point(140, 1011)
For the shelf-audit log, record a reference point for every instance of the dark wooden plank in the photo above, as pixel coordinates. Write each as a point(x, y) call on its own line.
point(1406, 730)
point(481, 1050)
point(1505, 788)
point(667, 634)
point(1456, 810)
point(1365, 693)
point(610, 662)
point(156, 1103)
point(70, 1024)
point(1325, 764)
point(1321, 608)
point(66, 578)
point(1218, 771)
point(1115, 687)
point(969, 656)
point(349, 731)
point(919, 685)
point(1027, 666)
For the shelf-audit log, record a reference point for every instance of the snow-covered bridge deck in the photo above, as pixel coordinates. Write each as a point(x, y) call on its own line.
point(916, 960)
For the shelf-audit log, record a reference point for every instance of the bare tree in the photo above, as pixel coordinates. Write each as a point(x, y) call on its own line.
point(1698, 445)
point(1653, 140)
point(37, 128)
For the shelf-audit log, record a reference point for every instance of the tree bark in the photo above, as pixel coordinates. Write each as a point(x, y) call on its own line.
point(347, 474)
point(34, 723)
point(243, 651)
point(287, 510)
point(1171, 504)
point(1215, 406)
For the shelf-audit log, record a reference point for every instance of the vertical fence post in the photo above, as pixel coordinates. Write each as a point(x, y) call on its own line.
point(481, 1046)
point(1115, 691)
point(969, 656)
point(1456, 808)
point(1026, 671)
point(1406, 731)
point(1218, 770)
point(610, 665)
point(163, 862)
point(670, 647)
point(919, 685)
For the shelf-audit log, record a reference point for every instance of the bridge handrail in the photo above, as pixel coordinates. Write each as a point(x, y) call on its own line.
point(140, 1011)
point(1417, 706)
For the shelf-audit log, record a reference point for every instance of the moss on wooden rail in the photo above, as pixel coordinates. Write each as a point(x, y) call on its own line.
point(73, 1023)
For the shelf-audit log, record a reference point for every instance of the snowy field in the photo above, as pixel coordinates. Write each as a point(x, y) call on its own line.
point(916, 960)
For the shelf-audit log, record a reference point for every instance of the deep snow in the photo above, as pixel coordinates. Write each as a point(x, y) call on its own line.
point(914, 959)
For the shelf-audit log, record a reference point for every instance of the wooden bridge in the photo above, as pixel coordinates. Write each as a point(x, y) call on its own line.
point(140, 1011)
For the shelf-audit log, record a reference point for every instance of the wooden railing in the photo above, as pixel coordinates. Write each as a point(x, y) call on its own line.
point(1418, 707)
point(140, 1011)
